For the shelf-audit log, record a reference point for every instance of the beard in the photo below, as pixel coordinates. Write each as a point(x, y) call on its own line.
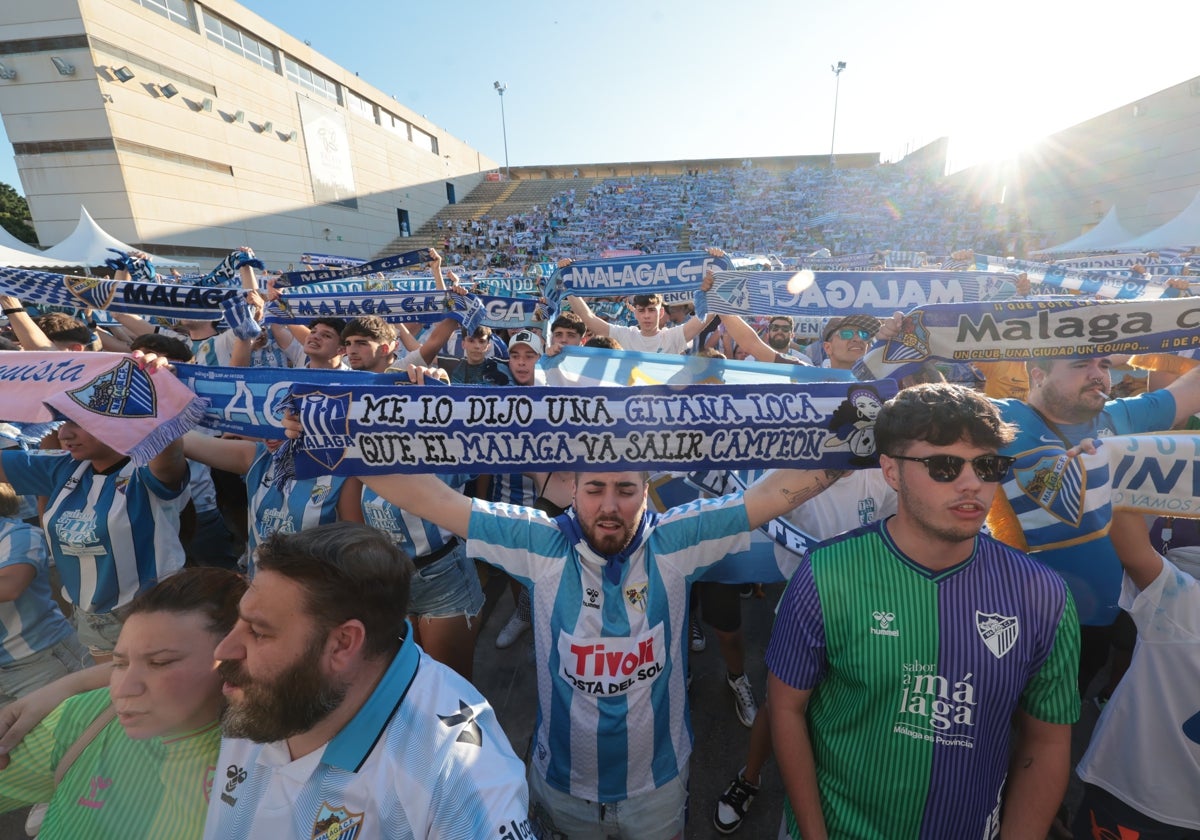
point(608, 542)
point(293, 702)
point(779, 342)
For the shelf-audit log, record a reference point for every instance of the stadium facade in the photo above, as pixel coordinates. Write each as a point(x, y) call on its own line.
point(191, 127)
point(1142, 158)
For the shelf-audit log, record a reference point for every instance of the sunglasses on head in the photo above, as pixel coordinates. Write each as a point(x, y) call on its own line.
point(946, 468)
point(849, 334)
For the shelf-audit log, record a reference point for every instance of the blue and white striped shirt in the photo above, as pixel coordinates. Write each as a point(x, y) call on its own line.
point(612, 686)
point(32, 621)
point(111, 535)
point(297, 505)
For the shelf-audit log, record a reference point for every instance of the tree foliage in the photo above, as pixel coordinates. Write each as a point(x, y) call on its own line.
point(14, 215)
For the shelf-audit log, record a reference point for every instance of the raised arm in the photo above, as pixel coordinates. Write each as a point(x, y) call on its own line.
point(1186, 391)
point(747, 338)
point(29, 334)
point(233, 456)
point(779, 491)
point(1131, 538)
point(594, 324)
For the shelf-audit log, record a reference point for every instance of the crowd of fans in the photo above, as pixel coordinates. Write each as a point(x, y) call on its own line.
point(744, 209)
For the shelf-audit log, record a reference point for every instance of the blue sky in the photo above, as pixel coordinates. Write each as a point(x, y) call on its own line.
point(620, 81)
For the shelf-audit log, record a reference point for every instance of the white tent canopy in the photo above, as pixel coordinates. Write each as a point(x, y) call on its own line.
point(1108, 235)
point(11, 243)
point(11, 257)
point(88, 245)
point(1181, 232)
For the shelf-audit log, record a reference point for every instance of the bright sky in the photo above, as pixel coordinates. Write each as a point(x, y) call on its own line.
point(669, 79)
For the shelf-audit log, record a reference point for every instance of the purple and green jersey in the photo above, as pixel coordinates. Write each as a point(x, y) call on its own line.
point(915, 677)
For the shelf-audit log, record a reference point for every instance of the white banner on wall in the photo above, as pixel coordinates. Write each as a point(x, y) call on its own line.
point(328, 147)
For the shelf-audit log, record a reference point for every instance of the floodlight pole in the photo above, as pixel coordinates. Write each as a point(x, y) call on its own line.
point(500, 88)
point(837, 82)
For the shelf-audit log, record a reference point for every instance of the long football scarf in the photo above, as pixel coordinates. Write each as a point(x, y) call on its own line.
point(372, 430)
point(108, 394)
point(159, 300)
point(1020, 330)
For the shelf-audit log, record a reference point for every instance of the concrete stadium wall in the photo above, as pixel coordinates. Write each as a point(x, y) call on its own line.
point(168, 174)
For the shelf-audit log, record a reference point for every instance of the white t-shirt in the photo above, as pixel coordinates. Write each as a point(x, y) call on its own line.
point(670, 340)
point(1146, 748)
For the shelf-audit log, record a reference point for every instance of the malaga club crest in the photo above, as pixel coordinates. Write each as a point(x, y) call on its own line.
point(1057, 484)
point(912, 345)
point(999, 632)
point(326, 421)
point(336, 823)
point(124, 391)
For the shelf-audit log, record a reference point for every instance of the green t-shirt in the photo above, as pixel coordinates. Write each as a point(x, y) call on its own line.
point(118, 787)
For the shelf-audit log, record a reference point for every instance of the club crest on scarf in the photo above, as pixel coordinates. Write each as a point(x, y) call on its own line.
point(124, 391)
point(326, 419)
point(336, 823)
point(92, 292)
point(913, 342)
point(1056, 484)
point(999, 632)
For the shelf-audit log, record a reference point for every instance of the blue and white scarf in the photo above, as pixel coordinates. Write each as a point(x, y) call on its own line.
point(1095, 284)
point(393, 307)
point(641, 275)
point(599, 366)
point(226, 272)
point(247, 401)
point(826, 293)
point(147, 299)
point(139, 268)
point(383, 264)
point(1021, 330)
point(373, 430)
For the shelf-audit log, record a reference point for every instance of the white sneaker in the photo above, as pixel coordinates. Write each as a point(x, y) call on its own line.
point(511, 631)
point(33, 822)
point(698, 642)
point(743, 699)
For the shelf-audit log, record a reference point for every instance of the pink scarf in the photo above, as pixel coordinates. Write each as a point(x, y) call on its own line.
point(107, 394)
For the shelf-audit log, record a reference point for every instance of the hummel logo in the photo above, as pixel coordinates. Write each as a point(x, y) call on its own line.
point(884, 620)
point(471, 733)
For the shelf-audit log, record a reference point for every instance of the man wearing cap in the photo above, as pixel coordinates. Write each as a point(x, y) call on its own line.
point(524, 350)
point(845, 340)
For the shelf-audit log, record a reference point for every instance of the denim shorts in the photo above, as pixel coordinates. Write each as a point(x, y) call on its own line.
point(447, 587)
point(38, 669)
point(99, 631)
point(657, 815)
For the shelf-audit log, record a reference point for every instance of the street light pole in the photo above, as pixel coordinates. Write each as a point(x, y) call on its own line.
point(837, 77)
point(500, 88)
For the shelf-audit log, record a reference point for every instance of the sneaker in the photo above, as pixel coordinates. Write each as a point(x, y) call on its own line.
point(37, 815)
point(743, 699)
point(733, 804)
point(511, 631)
point(699, 643)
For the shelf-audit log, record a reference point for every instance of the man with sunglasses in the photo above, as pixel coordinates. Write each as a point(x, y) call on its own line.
point(904, 651)
point(845, 340)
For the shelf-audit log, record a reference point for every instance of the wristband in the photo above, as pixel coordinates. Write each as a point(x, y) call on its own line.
point(12, 311)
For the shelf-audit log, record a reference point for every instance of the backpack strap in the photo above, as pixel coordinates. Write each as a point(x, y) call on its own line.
point(106, 716)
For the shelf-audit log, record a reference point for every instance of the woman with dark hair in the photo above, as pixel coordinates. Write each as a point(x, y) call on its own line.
point(136, 760)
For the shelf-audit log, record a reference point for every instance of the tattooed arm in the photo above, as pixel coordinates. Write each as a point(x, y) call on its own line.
point(779, 491)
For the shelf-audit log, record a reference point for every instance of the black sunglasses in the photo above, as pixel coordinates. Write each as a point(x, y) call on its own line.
point(946, 468)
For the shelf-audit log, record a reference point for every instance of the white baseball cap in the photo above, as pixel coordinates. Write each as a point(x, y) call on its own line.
point(530, 339)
